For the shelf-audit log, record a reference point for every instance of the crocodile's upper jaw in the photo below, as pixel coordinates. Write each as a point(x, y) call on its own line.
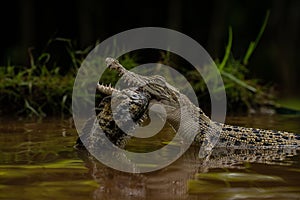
point(156, 86)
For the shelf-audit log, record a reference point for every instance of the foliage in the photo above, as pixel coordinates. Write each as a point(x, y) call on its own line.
point(243, 93)
point(43, 89)
point(38, 89)
point(242, 90)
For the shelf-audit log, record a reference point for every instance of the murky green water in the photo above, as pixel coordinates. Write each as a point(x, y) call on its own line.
point(37, 161)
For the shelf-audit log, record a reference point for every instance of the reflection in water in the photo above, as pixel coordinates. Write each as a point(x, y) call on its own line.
point(168, 182)
point(172, 181)
point(37, 161)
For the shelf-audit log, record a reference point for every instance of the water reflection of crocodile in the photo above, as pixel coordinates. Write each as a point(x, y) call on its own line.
point(173, 180)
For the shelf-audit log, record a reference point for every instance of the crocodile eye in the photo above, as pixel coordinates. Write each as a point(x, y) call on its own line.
point(135, 96)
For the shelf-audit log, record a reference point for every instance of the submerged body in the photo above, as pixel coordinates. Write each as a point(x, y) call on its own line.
point(132, 105)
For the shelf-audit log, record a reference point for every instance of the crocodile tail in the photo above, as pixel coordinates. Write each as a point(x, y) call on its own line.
point(254, 137)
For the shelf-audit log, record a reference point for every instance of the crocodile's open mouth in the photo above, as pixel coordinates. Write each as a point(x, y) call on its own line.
point(129, 78)
point(155, 86)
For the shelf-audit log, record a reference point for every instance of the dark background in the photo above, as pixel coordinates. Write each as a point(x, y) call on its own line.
point(32, 23)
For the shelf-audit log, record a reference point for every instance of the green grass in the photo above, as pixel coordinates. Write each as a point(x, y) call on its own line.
point(35, 91)
point(42, 89)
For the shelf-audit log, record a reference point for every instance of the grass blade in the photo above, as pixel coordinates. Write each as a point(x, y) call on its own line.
point(238, 81)
point(253, 45)
point(227, 51)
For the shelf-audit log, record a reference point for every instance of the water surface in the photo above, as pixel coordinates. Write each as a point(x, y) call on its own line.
point(38, 161)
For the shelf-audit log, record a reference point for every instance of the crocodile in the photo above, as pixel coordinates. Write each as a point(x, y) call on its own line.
point(132, 107)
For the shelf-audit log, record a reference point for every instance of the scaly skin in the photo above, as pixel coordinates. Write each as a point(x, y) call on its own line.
point(145, 90)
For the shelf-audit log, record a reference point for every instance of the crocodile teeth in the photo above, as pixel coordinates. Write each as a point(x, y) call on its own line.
point(106, 89)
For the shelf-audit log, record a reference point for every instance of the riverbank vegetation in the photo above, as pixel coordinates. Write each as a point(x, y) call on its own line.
point(44, 88)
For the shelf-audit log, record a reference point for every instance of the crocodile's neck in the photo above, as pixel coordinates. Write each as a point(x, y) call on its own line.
point(224, 135)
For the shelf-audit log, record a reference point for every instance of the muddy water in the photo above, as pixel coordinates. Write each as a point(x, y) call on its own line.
point(37, 161)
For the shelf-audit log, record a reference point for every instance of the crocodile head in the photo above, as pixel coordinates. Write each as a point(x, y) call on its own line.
point(155, 86)
point(120, 111)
